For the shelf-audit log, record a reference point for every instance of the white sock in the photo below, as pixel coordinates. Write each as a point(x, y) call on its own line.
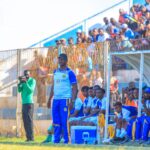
point(123, 133)
point(118, 131)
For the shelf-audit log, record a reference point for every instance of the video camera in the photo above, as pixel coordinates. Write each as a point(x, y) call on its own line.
point(25, 77)
point(22, 79)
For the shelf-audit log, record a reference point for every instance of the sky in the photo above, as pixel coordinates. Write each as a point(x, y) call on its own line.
point(25, 22)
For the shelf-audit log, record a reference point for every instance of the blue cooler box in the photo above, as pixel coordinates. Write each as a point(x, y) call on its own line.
point(84, 135)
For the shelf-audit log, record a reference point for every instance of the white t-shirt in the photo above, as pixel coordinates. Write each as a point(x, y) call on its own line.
point(103, 37)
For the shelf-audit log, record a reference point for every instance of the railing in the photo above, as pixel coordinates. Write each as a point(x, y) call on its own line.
point(130, 45)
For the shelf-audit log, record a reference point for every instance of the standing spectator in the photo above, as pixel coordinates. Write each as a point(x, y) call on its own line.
point(114, 94)
point(26, 87)
point(103, 36)
point(99, 80)
point(79, 33)
point(113, 31)
point(90, 47)
point(64, 90)
point(107, 24)
point(63, 47)
point(125, 44)
point(147, 4)
point(130, 100)
point(83, 37)
point(57, 43)
point(143, 10)
point(147, 16)
point(90, 33)
point(94, 35)
point(127, 31)
point(141, 31)
point(147, 34)
point(63, 42)
point(79, 40)
point(115, 23)
point(122, 13)
point(71, 43)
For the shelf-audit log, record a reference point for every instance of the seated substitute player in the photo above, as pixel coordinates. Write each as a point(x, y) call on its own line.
point(125, 116)
point(86, 91)
point(143, 122)
point(98, 106)
point(76, 112)
point(85, 109)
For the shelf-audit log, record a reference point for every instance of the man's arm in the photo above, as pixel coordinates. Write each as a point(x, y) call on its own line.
point(92, 112)
point(86, 110)
point(75, 113)
point(74, 92)
point(51, 95)
point(20, 87)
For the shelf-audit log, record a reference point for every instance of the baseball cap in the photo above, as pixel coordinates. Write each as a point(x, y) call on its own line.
point(124, 26)
point(147, 90)
point(63, 56)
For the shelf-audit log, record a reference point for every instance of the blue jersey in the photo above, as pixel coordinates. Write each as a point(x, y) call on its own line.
point(63, 80)
point(103, 103)
point(147, 104)
point(96, 103)
point(78, 106)
point(87, 104)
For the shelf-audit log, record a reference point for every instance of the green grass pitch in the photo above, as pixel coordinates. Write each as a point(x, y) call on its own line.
point(19, 144)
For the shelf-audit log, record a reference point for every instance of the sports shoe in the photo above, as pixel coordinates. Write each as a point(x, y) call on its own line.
point(145, 142)
point(117, 140)
point(48, 139)
point(106, 141)
point(126, 139)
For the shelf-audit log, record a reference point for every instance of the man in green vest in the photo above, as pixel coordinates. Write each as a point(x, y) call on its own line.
point(26, 87)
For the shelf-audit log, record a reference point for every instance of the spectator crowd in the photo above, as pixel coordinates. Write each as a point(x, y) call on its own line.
point(129, 32)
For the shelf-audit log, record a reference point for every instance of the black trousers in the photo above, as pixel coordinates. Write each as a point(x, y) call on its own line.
point(27, 115)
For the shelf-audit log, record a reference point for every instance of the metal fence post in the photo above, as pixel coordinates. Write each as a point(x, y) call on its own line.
point(18, 106)
point(140, 83)
point(108, 94)
point(105, 59)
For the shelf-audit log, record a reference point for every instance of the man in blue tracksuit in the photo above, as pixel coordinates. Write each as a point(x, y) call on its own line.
point(64, 93)
point(143, 122)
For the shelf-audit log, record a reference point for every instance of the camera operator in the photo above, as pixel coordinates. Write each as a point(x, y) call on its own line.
point(26, 87)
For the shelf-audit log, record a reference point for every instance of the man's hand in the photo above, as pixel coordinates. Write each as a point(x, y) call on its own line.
point(49, 103)
point(71, 105)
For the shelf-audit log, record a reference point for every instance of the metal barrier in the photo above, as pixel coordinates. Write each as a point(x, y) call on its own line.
point(88, 60)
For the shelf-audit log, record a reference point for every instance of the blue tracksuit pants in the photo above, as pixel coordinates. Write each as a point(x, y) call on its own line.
point(130, 127)
point(60, 117)
point(146, 128)
point(139, 127)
